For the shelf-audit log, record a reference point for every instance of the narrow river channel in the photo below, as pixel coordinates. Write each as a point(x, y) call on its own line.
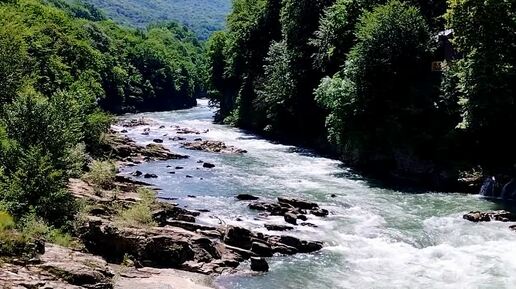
point(374, 237)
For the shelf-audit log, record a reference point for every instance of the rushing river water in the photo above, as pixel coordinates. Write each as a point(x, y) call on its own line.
point(374, 237)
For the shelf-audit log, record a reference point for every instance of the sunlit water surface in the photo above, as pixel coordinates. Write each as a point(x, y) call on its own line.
point(374, 237)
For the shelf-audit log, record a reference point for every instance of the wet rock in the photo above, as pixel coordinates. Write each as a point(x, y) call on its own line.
point(212, 146)
point(509, 190)
point(179, 168)
point(208, 165)
point(159, 152)
point(502, 216)
point(162, 127)
point(306, 224)
point(189, 177)
point(187, 131)
point(259, 264)
point(302, 217)
point(278, 227)
point(301, 246)
point(168, 212)
point(238, 237)
point(177, 138)
point(137, 174)
point(320, 212)
point(300, 204)
point(261, 249)
point(290, 218)
point(189, 226)
point(273, 209)
point(126, 149)
point(489, 187)
point(333, 195)
point(150, 176)
point(157, 140)
point(513, 228)
point(246, 197)
point(198, 139)
point(136, 122)
point(124, 131)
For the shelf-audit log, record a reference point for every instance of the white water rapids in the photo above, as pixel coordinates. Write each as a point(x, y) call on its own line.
point(374, 237)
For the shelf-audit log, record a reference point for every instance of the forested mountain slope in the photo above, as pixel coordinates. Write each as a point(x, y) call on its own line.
point(201, 16)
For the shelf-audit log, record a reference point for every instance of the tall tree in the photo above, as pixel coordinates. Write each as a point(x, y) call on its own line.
point(484, 33)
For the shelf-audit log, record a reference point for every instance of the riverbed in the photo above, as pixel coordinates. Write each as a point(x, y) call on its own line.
point(374, 237)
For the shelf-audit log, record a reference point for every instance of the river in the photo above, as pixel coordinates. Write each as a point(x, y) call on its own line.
point(374, 237)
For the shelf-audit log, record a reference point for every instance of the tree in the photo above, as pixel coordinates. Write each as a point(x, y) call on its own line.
point(484, 35)
point(274, 93)
point(381, 102)
point(13, 55)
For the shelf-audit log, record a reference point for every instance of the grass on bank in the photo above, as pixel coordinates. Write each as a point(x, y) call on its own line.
point(139, 214)
point(19, 240)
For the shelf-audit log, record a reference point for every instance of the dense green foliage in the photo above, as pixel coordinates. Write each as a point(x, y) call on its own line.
point(361, 70)
point(201, 16)
point(60, 64)
point(485, 34)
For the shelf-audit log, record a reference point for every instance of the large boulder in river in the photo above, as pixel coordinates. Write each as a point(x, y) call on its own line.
point(246, 197)
point(259, 264)
point(213, 146)
point(238, 237)
point(300, 204)
point(502, 216)
point(278, 227)
point(290, 218)
point(320, 212)
point(261, 249)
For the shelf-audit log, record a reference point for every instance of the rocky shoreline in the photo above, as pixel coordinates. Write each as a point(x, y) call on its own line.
point(175, 241)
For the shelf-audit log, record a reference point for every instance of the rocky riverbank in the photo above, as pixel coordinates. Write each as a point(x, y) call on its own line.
point(116, 254)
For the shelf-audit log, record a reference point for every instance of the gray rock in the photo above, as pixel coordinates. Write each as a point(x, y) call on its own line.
point(320, 212)
point(259, 264)
point(261, 249)
point(290, 218)
point(278, 227)
point(246, 197)
point(208, 165)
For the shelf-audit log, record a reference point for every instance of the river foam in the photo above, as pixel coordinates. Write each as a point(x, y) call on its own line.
point(375, 238)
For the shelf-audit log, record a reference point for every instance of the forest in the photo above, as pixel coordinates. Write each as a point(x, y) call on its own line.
point(201, 16)
point(64, 70)
point(419, 93)
point(358, 78)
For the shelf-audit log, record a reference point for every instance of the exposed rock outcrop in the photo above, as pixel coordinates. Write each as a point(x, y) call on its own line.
point(502, 216)
point(213, 146)
point(58, 268)
point(127, 150)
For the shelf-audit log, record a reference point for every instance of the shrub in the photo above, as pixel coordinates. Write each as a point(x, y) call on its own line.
point(101, 174)
point(14, 243)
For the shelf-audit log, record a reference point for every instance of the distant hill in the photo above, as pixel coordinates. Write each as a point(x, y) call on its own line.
point(201, 16)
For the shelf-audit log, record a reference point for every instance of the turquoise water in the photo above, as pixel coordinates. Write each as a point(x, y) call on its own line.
point(375, 238)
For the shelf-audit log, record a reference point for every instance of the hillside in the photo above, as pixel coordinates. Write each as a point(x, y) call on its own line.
point(202, 16)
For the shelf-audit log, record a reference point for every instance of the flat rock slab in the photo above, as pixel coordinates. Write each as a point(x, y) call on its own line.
point(150, 278)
